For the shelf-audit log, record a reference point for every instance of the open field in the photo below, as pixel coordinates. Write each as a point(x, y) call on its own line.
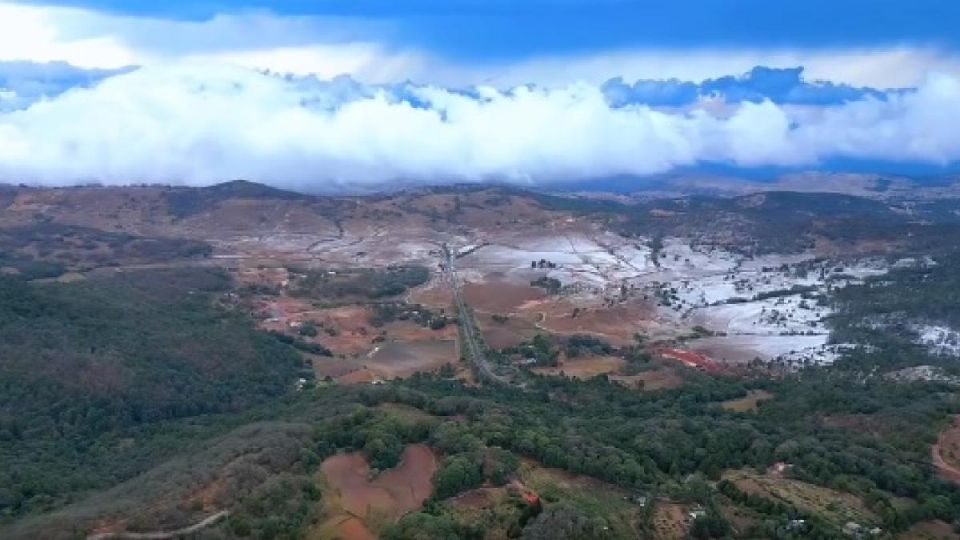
point(356, 506)
point(670, 522)
point(834, 506)
point(402, 359)
point(390, 360)
point(584, 367)
point(500, 297)
point(615, 323)
point(748, 403)
point(663, 378)
point(435, 294)
point(506, 333)
point(593, 497)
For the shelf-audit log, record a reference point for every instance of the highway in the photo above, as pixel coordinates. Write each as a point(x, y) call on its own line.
point(468, 326)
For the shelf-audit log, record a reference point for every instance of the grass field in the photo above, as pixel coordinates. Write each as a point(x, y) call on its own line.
point(834, 506)
point(748, 403)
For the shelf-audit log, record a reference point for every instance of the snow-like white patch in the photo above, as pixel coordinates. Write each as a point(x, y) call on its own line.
point(924, 374)
point(939, 339)
point(768, 307)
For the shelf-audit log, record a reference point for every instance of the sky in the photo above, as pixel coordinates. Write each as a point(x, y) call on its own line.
point(334, 94)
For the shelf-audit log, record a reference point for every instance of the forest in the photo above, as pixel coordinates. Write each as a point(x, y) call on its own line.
point(85, 365)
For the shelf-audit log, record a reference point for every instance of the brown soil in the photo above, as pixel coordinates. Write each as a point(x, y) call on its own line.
point(399, 360)
point(435, 294)
point(344, 528)
point(670, 522)
point(411, 331)
point(324, 366)
point(585, 367)
point(616, 324)
point(350, 326)
point(499, 296)
point(741, 519)
point(946, 452)
point(929, 530)
point(657, 379)
point(510, 333)
point(208, 496)
point(359, 376)
point(360, 504)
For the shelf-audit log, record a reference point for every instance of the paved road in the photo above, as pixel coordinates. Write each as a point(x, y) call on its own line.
point(468, 325)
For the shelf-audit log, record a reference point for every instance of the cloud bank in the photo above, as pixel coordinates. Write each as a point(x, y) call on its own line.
point(200, 124)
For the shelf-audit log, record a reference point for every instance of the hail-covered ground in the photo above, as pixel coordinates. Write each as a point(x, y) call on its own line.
point(730, 306)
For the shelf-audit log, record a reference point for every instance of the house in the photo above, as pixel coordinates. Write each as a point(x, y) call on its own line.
point(797, 525)
point(780, 467)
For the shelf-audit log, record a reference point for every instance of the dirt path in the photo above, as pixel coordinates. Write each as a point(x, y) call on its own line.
point(163, 535)
point(945, 469)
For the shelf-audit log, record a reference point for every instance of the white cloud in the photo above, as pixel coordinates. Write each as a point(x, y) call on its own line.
point(93, 39)
point(38, 34)
point(199, 124)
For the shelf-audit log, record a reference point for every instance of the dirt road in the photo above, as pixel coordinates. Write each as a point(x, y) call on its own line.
point(163, 535)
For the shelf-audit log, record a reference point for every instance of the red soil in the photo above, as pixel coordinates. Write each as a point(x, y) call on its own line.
point(946, 452)
point(692, 359)
point(499, 296)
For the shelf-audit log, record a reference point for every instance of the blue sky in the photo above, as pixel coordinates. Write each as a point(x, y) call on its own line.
point(486, 29)
point(331, 93)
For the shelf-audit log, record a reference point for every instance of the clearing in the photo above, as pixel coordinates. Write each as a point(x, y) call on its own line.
point(835, 506)
point(748, 403)
point(946, 453)
point(356, 505)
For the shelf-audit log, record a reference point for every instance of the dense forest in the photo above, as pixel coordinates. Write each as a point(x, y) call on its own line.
point(85, 365)
point(673, 443)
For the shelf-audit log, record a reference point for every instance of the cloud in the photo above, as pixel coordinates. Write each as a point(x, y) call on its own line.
point(781, 86)
point(200, 124)
point(326, 45)
point(24, 83)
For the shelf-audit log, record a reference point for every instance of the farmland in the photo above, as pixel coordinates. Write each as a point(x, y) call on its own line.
point(662, 381)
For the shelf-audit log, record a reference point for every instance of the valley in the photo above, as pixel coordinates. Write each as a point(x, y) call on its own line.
point(465, 360)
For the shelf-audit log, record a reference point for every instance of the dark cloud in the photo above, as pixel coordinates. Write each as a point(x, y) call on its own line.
point(781, 86)
point(31, 81)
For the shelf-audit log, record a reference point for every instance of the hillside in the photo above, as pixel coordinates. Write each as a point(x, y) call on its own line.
point(481, 361)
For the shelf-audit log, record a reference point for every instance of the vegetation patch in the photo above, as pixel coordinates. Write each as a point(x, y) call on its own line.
point(837, 507)
point(747, 403)
point(84, 363)
point(369, 284)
